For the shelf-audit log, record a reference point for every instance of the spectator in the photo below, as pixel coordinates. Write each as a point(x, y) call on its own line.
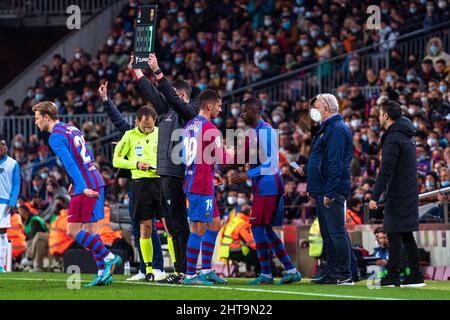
point(435, 51)
point(382, 251)
point(36, 233)
point(11, 109)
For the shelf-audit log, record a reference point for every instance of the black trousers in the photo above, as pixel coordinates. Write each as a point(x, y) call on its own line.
point(395, 253)
point(172, 197)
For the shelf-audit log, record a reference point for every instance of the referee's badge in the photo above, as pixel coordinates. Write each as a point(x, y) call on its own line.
point(139, 150)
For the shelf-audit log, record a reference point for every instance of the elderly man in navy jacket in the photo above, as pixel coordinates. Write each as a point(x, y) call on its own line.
point(328, 177)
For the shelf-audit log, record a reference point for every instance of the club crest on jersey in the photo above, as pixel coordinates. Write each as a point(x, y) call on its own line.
point(139, 150)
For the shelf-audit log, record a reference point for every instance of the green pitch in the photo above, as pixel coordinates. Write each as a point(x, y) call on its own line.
point(54, 286)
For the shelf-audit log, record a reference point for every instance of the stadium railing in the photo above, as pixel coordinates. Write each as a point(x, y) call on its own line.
point(367, 91)
point(329, 74)
point(93, 32)
point(422, 207)
point(10, 126)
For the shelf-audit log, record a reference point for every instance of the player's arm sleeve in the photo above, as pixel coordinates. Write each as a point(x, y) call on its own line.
point(390, 153)
point(15, 186)
point(186, 110)
point(58, 143)
point(335, 153)
point(116, 117)
point(120, 154)
point(270, 164)
point(152, 95)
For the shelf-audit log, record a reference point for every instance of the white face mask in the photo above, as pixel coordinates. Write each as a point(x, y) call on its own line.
point(232, 200)
point(355, 123)
point(241, 201)
point(315, 115)
point(276, 119)
point(235, 112)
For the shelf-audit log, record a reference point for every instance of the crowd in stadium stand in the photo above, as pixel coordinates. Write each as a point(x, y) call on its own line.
point(224, 45)
point(229, 44)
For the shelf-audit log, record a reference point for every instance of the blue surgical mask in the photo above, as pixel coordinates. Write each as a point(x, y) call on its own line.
point(422, 158)
point(272, 41)
point(179, 60)
point(198, 10)
point(181, 19)
point(409, 77)
point(303, 42)
point(433, 49)
point(429, 184)
point(230, 75)
point(202, 86)
point(306, 54)
point(445, 183)
point(39, 96)
point(442, 88)
point(314, 33)
point(286, 25)
point(217, 121)
point(299, 2)
point(264, 66)
point(320, 43)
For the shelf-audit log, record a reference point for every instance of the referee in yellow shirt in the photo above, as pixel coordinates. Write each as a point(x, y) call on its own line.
point(137, 151)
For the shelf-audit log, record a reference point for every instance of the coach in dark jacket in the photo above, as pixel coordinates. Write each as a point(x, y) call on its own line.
point(328, 178)
point(398, 180)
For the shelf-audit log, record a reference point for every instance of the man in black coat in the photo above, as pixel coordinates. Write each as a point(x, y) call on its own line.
point(398, 180)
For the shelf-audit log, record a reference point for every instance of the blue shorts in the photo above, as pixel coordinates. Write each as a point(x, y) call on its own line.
point(201, 208)
point(99, 210)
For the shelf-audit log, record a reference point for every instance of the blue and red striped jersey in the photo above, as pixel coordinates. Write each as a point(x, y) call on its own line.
point(265, 172)
point(202, 147)
point(69, 145)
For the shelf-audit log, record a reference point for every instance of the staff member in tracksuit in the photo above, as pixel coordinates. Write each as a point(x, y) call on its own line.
point(398, 180)
point(171, 102)
point(328, 178)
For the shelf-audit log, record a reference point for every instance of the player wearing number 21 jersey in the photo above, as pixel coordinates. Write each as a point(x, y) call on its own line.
point(87, 199)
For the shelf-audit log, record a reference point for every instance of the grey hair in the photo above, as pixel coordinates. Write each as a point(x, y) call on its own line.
point(331, 101)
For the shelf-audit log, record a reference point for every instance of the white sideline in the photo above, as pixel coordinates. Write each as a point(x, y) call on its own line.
point(328, 295)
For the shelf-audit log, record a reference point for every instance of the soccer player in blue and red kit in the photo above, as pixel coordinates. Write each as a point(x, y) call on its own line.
point(87, 200)
point(202, 149)
point(268, 191)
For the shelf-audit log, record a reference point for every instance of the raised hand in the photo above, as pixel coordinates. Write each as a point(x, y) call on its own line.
point(103, 91)
point(153, 62)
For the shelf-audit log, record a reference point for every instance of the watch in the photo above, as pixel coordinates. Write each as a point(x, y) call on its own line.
point(157, 72)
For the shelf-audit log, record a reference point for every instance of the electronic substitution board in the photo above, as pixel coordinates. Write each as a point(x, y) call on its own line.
point(144, 35)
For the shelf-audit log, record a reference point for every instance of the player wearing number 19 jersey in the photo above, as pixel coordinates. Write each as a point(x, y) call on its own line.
point(202, 146)
point(87, 201)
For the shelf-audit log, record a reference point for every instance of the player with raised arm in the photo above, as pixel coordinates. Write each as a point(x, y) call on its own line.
point(9, 192)
point(200, 137)
point(87, 201)
point(268, 192)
